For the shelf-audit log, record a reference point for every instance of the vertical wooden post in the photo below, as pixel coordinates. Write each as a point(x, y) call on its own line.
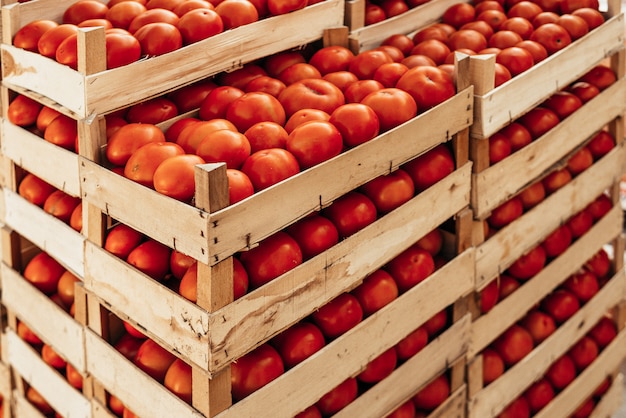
point(214, 290)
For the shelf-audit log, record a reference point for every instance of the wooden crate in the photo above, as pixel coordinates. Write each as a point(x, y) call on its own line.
point(96, 91)
point(494, 108)
point(611, 400)
point(498, 252)
point(6, 387)
point(492, 399)
point(212, 236)
point(28, 365)
point(493, 185)
point(363, 37)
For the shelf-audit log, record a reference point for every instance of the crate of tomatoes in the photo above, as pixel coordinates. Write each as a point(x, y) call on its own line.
point(111, 58)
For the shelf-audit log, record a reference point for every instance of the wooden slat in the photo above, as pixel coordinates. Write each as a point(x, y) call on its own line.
point(611, 400)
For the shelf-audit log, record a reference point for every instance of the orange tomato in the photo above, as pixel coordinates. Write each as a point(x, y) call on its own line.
point(35, 398)
point(74, 378)
point(51, 39)
point(83, 10)
point(23, 110)
point(157, 15)
point(128, 139)
point(28, 35)
point(65, 287)
point(143, 162)
point(61, 205)
point(26, 334)
point(192, 134)
point(121, 240)
point(175, 177)
point(225, 146)
point(152, 258)
point(45, 116)
point(121, 14)
point(239, 185)
point(34, 189)
point(235, 13)
point(180, 263)
point(44, 272)
point(52, 358)
point(154, 359)
point(178, 380)
point(62, 131)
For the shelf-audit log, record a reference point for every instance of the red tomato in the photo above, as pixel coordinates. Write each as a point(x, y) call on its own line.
point(121, 14)
point(270, 166)
point(342, 79)
point(65, 287)
point(298, 342)
point(539, 120)
point(380, 367)
point(38, 401)
point(152, 258)
point(121, 49)
point(254, 107)
point(311, 412)
point(493, 365)
point(504, 39)
point(410, 267)
point(337, 398)
point(264, 135)
point(311, 93)
point(561, 304)
point(131, 330)
point(52, 358)
point(302, 116)
point(128, 139)
point(338, 316)
point(332, 58)
point(274, 256)
point(517, 134)
point(351, 213)
point(390, 191)
point(45, 117)
point(279, 7)
point(569, 6)
point(584, 352)
point(459, 14)
point(265, 84)
point(158, 38)
point(74, 378)
point(357, 91)
point(412, 343)
point(34, 189)
point(580, 161)
point(365, 63)
point(600, 76)
point(544, 17)
point(190, 136)
point(153, 359)
point(216, 103)
point(430, 167)
point(27, 37)
point(235, 13)
point(393, 106)
point(584, 90)
point(225, 146)
point(314, 142)
point(23, 111)
point(178, 380)
point(44, 272)
point(276, 63)
point(552, 36)
point(62, 131)
point(175, 177)
point(298, 71)
point(377, 290)
point(143, 162)
point(529, 264)
point(314, 235)
point(433, 394)
point(189, 5)
point(429, 86)
point(576, 26)
point(603, 332)
point(239, 185)
point(152, 111)
point(592, 16)
point(163, 4)
point(156, 15)
point(557, 241)
point(60, 205)
point(467, 39)
point(190, 97)
point(121, 240)
point(520, 25)
point(514, 344)
point(389, 74)
point(515, 59)
point(52, 38)
point(254, 370)
point(562, 372)
point(499, 148)
point(374, 14)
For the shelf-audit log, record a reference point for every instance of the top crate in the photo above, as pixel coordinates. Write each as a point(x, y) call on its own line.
point(99, 91)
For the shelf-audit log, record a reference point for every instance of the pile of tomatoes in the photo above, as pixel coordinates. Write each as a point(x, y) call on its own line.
point(140, 28)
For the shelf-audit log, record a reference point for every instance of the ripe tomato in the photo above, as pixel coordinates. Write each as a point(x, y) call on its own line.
point(216, 103)
point(225, 146)
point(338, 316)
point(377, 290)
point(23, 111)
point(314, 142)
point(52, 38)
point(552, 36)
point(122, 49)
point(152, 111)
point(274, 256)
point(517, 134)
point(351, 213)
point(62, 131)
point(514, 344)
point(393, 106)
point(264, 135)
point(499, 148)
point(128, 139)
point(65, 287)
point(314, 235)
point(374, 14)
point(158, 38)
point(539, 394)
point(365, 63)
point(190, 97)
point(556, 179)
point(175, 177)
point(584, 90)
point(298, 342)
point(576, 26)
point(265, 84)
point(562, 372)
point(153, 359)
point(459, 14)
point(254, 107)
point(494, 18)
point(584, 352)
point(157, 15)
point(178, 379)
point(152, 258)
point(390, 191)
point(357, 91)
point(561, 304)
point(410, 267)
point(430, 167)
point(380, 367)
point(584, 284)
point(191, 135)
point(493, 365)
point(302, 116)
point(279, 7)
point(274, 64)
point(60, 205)
point(180, 263)
point(520, 25)
point(298, 71)
point(311, 93)
point(557, 241)
point(341, 79)
point(600, 76)
point(504, 39)
point(569, 6)
point(412, 343)
point(515, 59)
point(528, 264)
point(311, 412)
point(526, 9)
point(121, 240)
point(189, 5)
point(235, 13)
point(143, 162)
point(433, 394)
point(603, 332)
point(599, 264)
point(467, 39)
point(44, 272)
point(74, 378)
point(389, 74)
point(83, 10)
point(518, 408)
point(239, 185)
point(338, 397)
point(332, 58)
point(38, 401)
point(121, 14)
point(580, 161)
point(34, 189)
point(254, 370)
point(600, 144)
point(592, 17)
point(429, 86)
point(544, 17)
point(28, 35)
point(26, 334)
point(45, 116)
point(537, 50)
point(401, 41)
point(52, 358)
point(539, 120)
point(270, 166)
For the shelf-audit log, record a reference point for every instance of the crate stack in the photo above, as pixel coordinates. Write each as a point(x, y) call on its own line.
point(112, 296)
point(494, 186)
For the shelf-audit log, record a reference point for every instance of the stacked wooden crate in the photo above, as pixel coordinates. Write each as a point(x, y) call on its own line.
point(216, 331)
